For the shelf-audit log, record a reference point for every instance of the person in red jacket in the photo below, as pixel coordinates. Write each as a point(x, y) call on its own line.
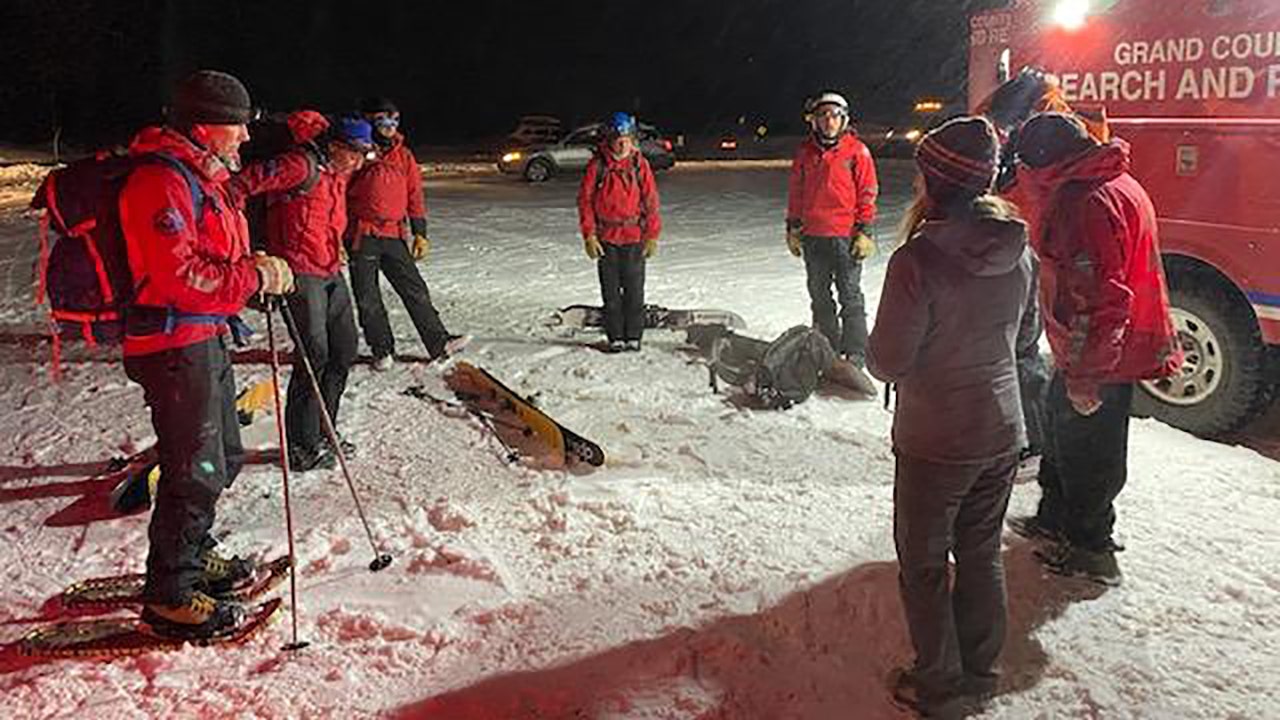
point(618, 213)
point(831, 204)
point(188, 247)
point(387, 232)
point(1106, 311)
point(306, 191)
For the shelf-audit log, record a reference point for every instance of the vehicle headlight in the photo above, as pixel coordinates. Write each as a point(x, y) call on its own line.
point(511, 157)
point(912, 135)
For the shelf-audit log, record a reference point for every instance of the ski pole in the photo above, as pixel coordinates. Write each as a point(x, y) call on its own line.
point(380, 559)
point(284, 471)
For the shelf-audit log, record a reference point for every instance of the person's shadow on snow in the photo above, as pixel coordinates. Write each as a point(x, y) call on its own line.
point(822, 653)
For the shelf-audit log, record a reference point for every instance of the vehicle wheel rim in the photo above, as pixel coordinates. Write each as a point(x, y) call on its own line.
point(537, 171)
point(1202, 366)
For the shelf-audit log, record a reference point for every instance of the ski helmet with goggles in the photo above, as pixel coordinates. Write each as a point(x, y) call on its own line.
point(841, 108)
point(620, 123)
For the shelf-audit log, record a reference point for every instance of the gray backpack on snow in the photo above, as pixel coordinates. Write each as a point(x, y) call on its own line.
point(778, 374)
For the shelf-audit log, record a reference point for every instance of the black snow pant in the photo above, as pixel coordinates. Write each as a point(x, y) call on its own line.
point(192, 395)
point(391, 257)
point(621, 272)
point(1033, 386)
point(941, 508)
point(1085, 465)
point(326, 328)
point(828, 260)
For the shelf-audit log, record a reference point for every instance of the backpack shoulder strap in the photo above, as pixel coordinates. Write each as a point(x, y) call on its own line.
point(314, 161)
point(193, 183)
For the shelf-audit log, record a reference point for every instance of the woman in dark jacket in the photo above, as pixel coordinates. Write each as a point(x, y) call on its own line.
point(955, 299)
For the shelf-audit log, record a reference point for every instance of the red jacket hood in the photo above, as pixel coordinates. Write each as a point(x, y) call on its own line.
point(165, 140)
point(1099, 165)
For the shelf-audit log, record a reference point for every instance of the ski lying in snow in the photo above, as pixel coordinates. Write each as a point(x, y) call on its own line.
point(476, 388)
point(117, 637)
point(103, 594)
point(656, 317)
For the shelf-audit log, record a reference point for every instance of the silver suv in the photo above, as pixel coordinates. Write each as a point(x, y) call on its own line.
point(539, 162)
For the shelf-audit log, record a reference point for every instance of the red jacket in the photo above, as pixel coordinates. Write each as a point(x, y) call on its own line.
point(1102, 290)
point(385, 193)
point(196, 265)
point(618, 199)
point(833, 189)
point(304, 225)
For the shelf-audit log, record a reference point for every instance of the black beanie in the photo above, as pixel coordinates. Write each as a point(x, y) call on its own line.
point(1049, 138)
point(212, 98)
point(961, 153)
point(377, 104)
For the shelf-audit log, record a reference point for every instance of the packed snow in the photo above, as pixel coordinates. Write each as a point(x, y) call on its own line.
point(725, 563)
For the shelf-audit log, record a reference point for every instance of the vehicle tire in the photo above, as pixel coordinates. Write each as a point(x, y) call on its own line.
point(538, 170)
point(1224, 381)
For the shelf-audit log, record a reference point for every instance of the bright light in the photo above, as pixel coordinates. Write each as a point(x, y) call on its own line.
point(1071, 14)
point(511, 157)
point(928, 106)
point(912, 135)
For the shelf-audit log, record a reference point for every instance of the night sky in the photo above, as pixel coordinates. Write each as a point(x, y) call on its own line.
point(466, 71)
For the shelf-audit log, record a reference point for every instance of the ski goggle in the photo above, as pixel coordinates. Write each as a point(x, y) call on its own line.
point(385, 121)
point(830, 112)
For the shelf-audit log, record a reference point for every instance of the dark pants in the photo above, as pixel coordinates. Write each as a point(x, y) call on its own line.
point(192, 396)
point(1033, 386)
point(391, 257)
point(622, 290)
point(940, 508)
point(828, 260)
point(1085, 464)
point(321, 309)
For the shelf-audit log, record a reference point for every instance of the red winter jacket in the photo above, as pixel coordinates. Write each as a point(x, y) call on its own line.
point(833, 190)
point(304, 226)
point(1102, 290)
point(386, 192)
point(195, 265)
point(618, 199)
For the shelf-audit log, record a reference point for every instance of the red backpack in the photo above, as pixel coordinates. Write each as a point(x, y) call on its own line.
point(85, 275)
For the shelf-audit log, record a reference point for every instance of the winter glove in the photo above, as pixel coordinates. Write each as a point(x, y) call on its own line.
point(793, 242)
point(650, 247)
point(1084, 401)
point(421, 246)
point(274, 275)
point(591, 244)
point(862, 246)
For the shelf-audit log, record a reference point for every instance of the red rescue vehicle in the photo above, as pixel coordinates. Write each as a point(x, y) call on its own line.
point(1194, 86)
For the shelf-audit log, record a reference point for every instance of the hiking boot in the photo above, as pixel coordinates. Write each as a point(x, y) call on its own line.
point(1097, 566)
point(199, 616)
point(633, 346)
point(225, 575)
point(617, 346)
point(908, 692)
point(383, 363)
point(1031, 528)
point(317, 458)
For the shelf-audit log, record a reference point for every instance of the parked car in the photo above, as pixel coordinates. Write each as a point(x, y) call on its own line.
point(536, 129)
point(537, 162)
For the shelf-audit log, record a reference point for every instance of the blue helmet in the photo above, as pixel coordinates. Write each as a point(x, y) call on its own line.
point(620, 123)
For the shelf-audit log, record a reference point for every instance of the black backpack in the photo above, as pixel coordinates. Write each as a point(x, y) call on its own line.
point(85, 275)
point(777, 374)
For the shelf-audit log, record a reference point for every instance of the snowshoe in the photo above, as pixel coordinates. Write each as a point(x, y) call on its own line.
point(118, 637)
point(200, 617)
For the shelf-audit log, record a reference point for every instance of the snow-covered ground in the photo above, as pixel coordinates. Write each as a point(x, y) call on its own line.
point(724, 564)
